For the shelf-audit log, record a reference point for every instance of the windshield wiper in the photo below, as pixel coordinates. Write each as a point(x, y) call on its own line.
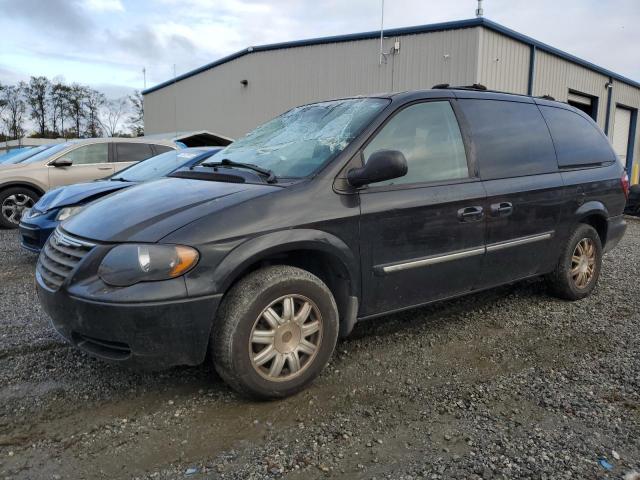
point(118, 179)
point(225, 162)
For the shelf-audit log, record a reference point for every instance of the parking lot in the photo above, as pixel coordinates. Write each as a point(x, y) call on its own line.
point(503, 384)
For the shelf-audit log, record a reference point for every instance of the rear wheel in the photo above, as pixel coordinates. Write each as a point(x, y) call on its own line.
point(275, 331)
point(13, 201)
point(578, 269)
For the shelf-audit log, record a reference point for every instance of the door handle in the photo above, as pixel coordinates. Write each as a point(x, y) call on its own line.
point(470, 214)
point(104, 168)
point(502, 209)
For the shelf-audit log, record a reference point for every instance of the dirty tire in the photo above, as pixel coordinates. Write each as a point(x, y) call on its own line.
point(19, 196)
point(238, 313)
point(560, 281)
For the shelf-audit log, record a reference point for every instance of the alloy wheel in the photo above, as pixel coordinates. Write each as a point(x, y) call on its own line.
point(285, 338)
point(14, 205)
point(583, 262)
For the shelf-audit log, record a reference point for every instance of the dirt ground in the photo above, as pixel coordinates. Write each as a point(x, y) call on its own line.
point(509, 383)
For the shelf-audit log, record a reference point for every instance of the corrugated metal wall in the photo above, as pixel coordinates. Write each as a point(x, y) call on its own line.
point(503, 63)
point(280, 79)
point(627, 96)
point(555, 76)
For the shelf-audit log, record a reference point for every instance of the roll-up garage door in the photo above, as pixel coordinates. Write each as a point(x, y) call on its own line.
point(621, 126)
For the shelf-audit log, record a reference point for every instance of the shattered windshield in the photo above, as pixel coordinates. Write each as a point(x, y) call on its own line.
point(298, 142)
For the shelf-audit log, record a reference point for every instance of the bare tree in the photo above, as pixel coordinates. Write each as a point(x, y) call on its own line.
point(14, 110)
point(36, 93)
point(111, 115)
point(136, 119)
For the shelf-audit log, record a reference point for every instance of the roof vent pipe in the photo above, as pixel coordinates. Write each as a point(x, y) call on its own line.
point(479, 11)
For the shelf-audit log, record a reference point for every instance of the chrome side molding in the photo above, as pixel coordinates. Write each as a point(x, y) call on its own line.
point(470, 252)
point(492, 247)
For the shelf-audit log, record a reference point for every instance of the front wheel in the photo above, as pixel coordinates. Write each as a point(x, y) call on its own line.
point(13, 201)
point(578, 268)
point(275, 331)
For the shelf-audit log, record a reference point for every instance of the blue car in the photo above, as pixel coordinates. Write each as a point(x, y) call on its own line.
point(59, 204)
point(21, 154)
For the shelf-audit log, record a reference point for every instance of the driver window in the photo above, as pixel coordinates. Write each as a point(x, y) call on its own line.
point(429, 137)
point(95, 153)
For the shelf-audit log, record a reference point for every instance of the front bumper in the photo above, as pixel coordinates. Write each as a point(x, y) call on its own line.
point(147, 335)
point(616, 226)
point(34, 231)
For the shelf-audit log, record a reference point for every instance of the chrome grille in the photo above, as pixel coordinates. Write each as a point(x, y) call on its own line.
point(59, 257)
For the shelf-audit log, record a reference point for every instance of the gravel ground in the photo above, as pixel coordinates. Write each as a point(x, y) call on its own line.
point(509, 383)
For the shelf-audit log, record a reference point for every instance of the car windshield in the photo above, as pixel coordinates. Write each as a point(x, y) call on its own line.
point(158, 166)
point(44, 154)
point(300, 141)
point(22, 156)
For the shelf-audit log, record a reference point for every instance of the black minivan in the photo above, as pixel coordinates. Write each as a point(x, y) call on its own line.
point(332, 213)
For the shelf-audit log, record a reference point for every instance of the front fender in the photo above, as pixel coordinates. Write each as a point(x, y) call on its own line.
point(258, 248)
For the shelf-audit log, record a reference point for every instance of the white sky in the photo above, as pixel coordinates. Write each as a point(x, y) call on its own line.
point(106, 43)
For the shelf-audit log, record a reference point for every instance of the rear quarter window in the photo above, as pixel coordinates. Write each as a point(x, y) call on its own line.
point(511, 139)
point(133, 152)
point(577, 140)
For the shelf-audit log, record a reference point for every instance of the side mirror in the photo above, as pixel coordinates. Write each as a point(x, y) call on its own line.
point(382, 165)
point(62, 162)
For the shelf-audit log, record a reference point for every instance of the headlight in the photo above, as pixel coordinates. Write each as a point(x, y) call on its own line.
point(127, 265)
point(67, 212)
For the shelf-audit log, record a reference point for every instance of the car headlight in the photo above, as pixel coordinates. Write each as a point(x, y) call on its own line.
point(67, 212)
point(129, 264)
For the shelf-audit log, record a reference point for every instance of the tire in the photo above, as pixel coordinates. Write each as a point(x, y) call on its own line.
point(244, 317)
point(566, 281)
point(12, 201)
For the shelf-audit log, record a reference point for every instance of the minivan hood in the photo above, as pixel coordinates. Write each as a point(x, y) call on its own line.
point(77, 194)
point(152, 210)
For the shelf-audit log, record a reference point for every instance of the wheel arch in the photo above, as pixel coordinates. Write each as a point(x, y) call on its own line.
point(595, 213)
point(31, 186)
point(321, 253)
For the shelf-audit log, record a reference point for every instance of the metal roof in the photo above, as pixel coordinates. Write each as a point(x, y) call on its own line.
point(397, 32)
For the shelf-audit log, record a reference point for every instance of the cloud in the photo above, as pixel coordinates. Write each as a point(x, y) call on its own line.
point(104, 5)
point(45, 17)
point(122, 36)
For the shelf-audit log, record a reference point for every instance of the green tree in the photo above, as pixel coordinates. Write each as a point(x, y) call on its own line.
point(36, 93)
point(58, 101)
point(93, 101)
point(136, 119)
point(75, 106)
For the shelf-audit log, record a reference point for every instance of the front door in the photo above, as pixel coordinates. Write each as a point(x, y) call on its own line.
point(89, 162)
point(422, 235)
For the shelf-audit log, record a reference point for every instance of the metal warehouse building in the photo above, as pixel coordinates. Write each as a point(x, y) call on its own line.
point(238, 92)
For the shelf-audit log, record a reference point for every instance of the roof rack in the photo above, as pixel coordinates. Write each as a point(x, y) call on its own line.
point(481, 88)
point(475, 86)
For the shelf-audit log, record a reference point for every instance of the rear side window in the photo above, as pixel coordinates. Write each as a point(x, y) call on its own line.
point(133, 152)
point(511, 138)
point(429, 137)
point(577, 141)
